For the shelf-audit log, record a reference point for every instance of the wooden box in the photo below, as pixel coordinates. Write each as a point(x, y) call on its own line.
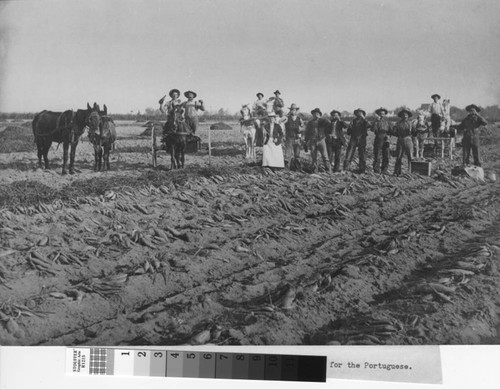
point(193, 144)
point(419, 167)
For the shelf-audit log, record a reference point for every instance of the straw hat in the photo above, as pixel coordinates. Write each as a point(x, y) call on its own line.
point(400, 113)
point(172, 91)
point(188, 92)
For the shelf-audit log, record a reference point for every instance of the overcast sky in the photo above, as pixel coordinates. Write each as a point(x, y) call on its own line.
point(340, 54)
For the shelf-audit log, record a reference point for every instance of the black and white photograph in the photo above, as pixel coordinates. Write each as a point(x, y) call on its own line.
point(249, 173)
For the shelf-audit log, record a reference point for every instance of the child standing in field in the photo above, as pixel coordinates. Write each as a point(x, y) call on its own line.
point(191, 107)
point(420, 132)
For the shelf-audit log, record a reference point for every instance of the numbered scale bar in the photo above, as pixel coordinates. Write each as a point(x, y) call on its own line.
point(190, 364)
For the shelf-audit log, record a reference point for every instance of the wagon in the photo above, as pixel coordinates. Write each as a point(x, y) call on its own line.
point(193, 144)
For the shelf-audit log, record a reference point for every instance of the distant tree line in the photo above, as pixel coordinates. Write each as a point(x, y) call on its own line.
point(491, 113)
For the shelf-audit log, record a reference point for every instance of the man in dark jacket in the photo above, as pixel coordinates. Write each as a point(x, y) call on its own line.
point(315, 139)
point(381, 128)
point(470, 139)
point(335, 139)
point(403, 130)
point(358, 131)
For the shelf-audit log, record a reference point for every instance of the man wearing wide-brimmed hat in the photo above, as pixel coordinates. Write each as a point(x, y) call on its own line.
point(358, 131)
point(436, 111)
point(169, 106)
point(278, 103)
point(381, 145)
point(191, 107)
point(335, 139)
point(315, 139)
point(293, 136)
point(470, 140)
point(403, 130)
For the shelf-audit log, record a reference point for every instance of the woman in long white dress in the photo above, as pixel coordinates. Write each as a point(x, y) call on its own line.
point(272, 151)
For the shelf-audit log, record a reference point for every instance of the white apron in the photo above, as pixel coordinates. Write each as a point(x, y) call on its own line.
point(272, 155)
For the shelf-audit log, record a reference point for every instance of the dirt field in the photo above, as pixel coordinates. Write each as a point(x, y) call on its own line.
point(231, 254)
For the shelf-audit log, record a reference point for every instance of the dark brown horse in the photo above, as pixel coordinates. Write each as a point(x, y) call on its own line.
point(61, 127)
point(102, 135)
point(175, 133)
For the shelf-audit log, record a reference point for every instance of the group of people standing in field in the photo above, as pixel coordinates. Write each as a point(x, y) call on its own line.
point(328, 136)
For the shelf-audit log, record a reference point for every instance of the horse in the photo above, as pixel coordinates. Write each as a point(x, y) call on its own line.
point(102, 135)
point(61, 127)
point(175, 133)
point(446, 119)
point(248, 129)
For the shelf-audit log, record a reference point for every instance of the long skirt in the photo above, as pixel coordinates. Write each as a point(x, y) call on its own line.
point(272, 155)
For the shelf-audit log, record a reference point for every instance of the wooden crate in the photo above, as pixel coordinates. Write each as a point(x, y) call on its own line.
point(193, 145)
point(419, 167)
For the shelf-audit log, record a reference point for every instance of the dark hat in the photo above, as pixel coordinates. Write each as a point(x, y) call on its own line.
point(400, 113)
point(468, 108)
point(359, 110)
point(335, 111)
point(435, 95)
point(277, 91)
point(377, 111)
point(190, 91)
point(316, 110)
point(260, 94)
point(174, 90)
